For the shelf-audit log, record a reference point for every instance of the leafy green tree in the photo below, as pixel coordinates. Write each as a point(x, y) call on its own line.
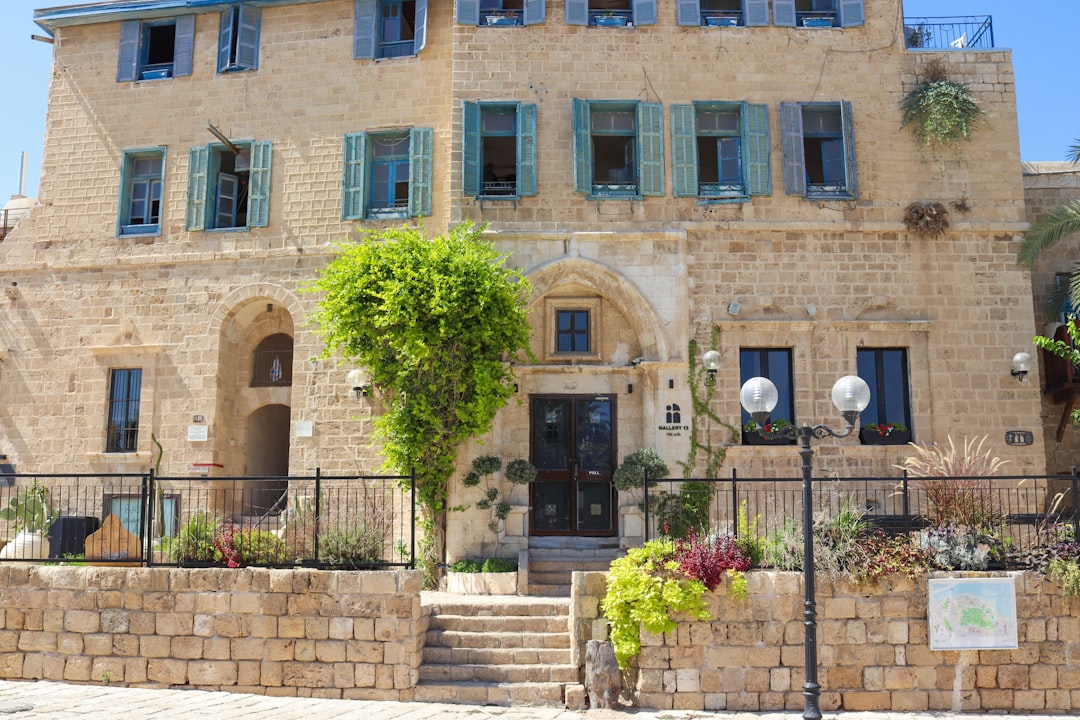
point(1064, 350)
point(435, 323)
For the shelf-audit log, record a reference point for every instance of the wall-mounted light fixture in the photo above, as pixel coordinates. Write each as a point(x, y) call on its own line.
point(711, 361)
point(733, 308)
point(1021, 365)
point(358, 382)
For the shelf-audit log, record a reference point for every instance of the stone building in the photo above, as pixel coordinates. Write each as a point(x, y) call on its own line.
point(671, 177)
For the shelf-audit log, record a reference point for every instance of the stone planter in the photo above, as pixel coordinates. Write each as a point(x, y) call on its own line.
point(504, 583)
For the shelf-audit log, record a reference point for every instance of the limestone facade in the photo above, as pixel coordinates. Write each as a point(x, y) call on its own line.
point(819, 277)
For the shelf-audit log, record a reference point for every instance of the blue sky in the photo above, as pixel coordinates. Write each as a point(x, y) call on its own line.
point(1043, 43)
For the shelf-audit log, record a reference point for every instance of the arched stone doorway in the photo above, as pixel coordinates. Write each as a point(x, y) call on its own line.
point(267, 456)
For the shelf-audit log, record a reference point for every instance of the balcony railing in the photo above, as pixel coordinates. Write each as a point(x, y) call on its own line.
point(971, 32)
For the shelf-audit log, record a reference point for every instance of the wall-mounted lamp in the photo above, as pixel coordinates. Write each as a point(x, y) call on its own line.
point(358, 382)
point(733, 308)
point(711, 361)
point(1021, 364)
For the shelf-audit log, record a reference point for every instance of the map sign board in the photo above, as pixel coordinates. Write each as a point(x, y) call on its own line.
point(972, 613)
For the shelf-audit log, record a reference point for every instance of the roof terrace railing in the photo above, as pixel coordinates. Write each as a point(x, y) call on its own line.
point(971, 32)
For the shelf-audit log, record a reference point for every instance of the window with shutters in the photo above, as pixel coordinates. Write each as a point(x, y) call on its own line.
point(720, 151)
point(819, 13)
point(152, 50)
point(387, 174)
point(618, 148)
point(611, 13)
point(722, 13)
point(499, 147)
point(141, 178)
point(238, 43)
point(501, 13)
point(389, 28)
point(819, 150)
point(229, 186)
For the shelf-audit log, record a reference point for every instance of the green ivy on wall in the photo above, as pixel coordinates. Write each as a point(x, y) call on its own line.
point(703, 419)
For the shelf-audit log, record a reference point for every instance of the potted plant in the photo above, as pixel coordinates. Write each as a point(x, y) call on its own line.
point(771, 435)
point(30, 514)
point(888, 433)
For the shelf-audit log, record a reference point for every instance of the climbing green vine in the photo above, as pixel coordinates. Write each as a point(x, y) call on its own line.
point(703, 418)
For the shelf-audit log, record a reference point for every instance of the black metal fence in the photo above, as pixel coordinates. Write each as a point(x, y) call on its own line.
point(325, 521)
point(971, 32)
point(1019, 507)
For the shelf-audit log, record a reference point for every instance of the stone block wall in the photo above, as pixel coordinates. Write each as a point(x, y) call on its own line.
point(873, 651)
point(306, 633)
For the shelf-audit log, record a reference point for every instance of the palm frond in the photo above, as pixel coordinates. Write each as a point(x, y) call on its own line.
point(1074, 152)
point(1048, 231)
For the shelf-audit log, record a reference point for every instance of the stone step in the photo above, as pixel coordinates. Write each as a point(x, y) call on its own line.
point(458, 639)
point(495, 656)
point(552, 590)
point(496, 606)
point(568, 566)
point(500, 623)
point(499, 673)
point(558, 542)
point(542, 694)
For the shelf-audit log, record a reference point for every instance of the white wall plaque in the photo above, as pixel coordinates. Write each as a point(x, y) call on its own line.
point(198, 433)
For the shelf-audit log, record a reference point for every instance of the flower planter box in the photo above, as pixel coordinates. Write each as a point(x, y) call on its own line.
point(504, 583)
point(501, 20)
point(617, 21)
point(896, 437)
point(722, 21)
point(753, 438)
point(817, 22)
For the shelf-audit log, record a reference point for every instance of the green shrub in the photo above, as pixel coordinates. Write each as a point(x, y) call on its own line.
point(1066, 572)
point(195, 543)
point(259, 547)
point(631, 474)
point(498, 565)
point(678, 514)
point(358, 546)
point(465, 566)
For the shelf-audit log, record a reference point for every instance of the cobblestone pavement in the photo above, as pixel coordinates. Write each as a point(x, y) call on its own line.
point(32, 700)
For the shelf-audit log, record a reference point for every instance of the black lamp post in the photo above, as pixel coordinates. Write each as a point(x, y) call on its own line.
point(850, 395)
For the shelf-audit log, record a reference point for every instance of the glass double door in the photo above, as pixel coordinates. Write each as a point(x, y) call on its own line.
point(573, 447)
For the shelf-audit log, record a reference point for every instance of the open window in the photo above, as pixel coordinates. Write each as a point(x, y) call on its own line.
point(501, 13)
point(238, 43)
point(387, 174)
point(618, 148)
point(819, 150)
point(819, 13)
point(272, 362)
point(141, 177)
point(611, 13)
point(720, 151)
point(389, 28)
point(722, 13)
point(499, 147)
point(155, 49)
point(229, 186)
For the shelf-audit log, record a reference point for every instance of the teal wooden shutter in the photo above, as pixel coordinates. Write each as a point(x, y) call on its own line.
point(247, 43)
point(755, 12)
point(123, 214)
point(184, 45)
point(526, 150)
point(364, 29)
point(535, 12)
point(127, 67)
point(471, 149)
point(650, 119)
point(794, 157)
point(684, 177)
point(352, 184)
point(468, 12)
point(783, 13)
point(755, 128)
point(688, 12)
point(421, 141)
point(420, 35)
point(577, 12)
point(852, 13)
point(225, 40)
point(644, 12)
point(259, 199)
point(848, 123)
point(198, 167)
point(582, 147)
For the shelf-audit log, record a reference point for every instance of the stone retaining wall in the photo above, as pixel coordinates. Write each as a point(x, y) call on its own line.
point(278, 632)
point(873, 652)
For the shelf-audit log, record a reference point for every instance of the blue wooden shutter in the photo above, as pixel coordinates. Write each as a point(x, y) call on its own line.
point(123, 215)
point(198, 167)
point(364, 29)
point(684, 177)
point(526, 148)
point(755, 12)
point(472, 147)
point(127, 67)
point(848, 124)
point(577, 12)
point(756, 149)
point(421, 141)
point(259, 198)
point(468, 12)
point(535, 12)
point(247, 44)
point(352, 184)
point(582, 147)
point(688, 12)
point(852, 13)
point(420, 35)
point(783, 13)
point(650, 119)
point(644, 12)
point(225, 40)
point(794, 157)
point(184, 45)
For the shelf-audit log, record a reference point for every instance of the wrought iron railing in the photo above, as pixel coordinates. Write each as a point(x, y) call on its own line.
point(325, 521)
point(970, 32)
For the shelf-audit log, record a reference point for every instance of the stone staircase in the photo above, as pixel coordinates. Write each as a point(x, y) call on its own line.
point(553, 559)
point(496, 650)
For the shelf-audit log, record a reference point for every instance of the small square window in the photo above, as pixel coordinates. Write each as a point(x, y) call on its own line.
point(572, 329)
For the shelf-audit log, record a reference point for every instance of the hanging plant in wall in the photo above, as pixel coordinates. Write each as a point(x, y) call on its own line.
point(926, 219)
point(941, 112)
